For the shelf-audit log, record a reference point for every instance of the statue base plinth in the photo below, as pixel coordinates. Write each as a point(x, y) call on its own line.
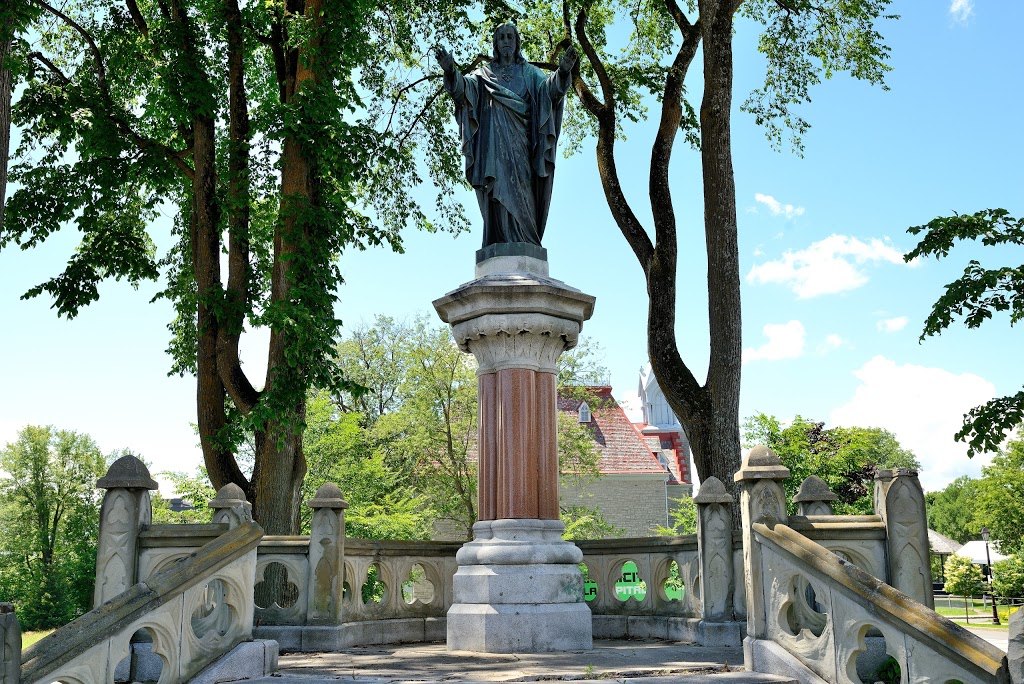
point(519, 589)
point(511, 249)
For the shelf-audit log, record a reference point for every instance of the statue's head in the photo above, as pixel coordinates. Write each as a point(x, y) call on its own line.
point(507, 45)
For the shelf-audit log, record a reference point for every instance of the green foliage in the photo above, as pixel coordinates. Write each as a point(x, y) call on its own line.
point(583, 522)
point(975, 297)
point(845, 458)
point(49, 511)
point(963, 578)
point(682, 516)
point(1008, 577)
point(1000, 493)
point(382, 503)
point(889, 672)
point(951, 512)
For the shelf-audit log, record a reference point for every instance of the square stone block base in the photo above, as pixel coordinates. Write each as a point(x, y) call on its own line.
point(519, 627)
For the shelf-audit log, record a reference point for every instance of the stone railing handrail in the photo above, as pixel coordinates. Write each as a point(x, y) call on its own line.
point(946, 638)
point(109, 621)
point(194, 535)
point(639, 544)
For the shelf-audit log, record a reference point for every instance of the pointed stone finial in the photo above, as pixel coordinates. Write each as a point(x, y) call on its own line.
point(127, 472)
point(761, 463)
point(814, 497)
point(230, 506)
point(328, 496)
point(228, 496)
point(814, 489)
point(712, 490)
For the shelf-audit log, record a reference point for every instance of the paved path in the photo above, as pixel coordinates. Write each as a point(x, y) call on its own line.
point(611, 659)
point(999, 638)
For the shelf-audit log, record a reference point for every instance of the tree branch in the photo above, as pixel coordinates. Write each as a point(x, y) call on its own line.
point(101, 71)
point(607, 90)
point(140, 21)
point(38, 56)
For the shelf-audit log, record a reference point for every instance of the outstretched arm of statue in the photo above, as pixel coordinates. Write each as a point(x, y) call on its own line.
point(563, 74)
point(453, 80)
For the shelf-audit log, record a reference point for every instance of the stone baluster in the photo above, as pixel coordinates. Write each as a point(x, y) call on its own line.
point(814, 497)
point(10, 645)
point(126, 510)
point(326, 556)
point(230, 506)
point(762, 498)
point(899, 500)
point(714, 549)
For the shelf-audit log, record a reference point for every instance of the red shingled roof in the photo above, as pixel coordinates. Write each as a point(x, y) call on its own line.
point(622, 447)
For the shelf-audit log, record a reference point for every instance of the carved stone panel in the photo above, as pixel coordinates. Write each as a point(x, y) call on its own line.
point(907, 531)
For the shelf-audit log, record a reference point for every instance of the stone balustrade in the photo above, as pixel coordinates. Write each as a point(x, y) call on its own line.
point(818, 605)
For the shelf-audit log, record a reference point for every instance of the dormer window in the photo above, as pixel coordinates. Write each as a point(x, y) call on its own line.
point(584, 413)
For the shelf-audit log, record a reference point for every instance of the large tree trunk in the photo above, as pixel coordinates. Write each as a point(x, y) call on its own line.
point(720, 454)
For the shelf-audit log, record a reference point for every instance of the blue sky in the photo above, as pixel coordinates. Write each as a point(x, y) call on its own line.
point(831, 313)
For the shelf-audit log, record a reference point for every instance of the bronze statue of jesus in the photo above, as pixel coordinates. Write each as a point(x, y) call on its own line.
point(509, 114)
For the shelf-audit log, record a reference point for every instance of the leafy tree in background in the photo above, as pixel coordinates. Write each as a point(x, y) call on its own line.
point(951, 512)
point(682, 519)
point(802, 42)
point(845, 458)
point(49, 512)
point(277, 134)
point(976, 296)
point(1008, 577)
point(963, 578)
point(1000, 493)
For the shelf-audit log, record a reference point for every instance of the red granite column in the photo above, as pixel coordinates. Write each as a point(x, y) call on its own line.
point(487, 456)
point(546, 412)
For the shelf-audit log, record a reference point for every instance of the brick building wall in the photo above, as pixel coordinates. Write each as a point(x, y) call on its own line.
point(634, 502)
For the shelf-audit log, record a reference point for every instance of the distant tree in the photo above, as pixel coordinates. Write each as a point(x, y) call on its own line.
point(844, 457)
point(49, 513)
point(1008, 577)
point(682, 519)
point(999, 504)
point(963, 578)
point(952, 511)
point(976, 296)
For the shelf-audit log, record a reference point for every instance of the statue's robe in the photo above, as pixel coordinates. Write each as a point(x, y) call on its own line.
point(509, 136)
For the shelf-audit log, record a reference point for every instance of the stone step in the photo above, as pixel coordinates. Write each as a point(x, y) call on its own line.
point(681, 678)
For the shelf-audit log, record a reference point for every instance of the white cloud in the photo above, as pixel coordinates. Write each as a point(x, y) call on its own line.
point(832, 341)
point(924, 408)
point(961, 10)
point(891, 325)
point(835, 264)
point(778, 208)
point(785, 341)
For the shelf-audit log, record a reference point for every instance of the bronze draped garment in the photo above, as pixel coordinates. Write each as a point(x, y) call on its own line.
point(509, 137)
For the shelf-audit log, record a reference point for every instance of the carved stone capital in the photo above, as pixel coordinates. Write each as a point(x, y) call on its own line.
point(521, 340)
point(515, 320)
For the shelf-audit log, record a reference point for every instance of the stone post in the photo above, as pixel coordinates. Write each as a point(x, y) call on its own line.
point(814, 497)
point(230, 506)
point(714, 548)
point(326, 556)
point(1015, 648)
point(762, 497)
point(517, 321)
point(10, 645)
point(126, 510)
point(899, 500)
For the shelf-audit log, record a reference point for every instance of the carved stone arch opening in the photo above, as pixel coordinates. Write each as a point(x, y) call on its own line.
point(144, 657)
point(277, 585)
point(668, 580)
point(875, 659)
point(376, 585)
point(802, 614)
point(629, 585)
point(418, 586)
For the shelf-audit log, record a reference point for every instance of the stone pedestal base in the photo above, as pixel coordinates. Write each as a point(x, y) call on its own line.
point(518, 589)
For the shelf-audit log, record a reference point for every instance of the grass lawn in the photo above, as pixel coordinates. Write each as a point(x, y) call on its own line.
point(29, 638)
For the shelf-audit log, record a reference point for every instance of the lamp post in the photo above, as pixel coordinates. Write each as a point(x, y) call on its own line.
point(988, 564)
